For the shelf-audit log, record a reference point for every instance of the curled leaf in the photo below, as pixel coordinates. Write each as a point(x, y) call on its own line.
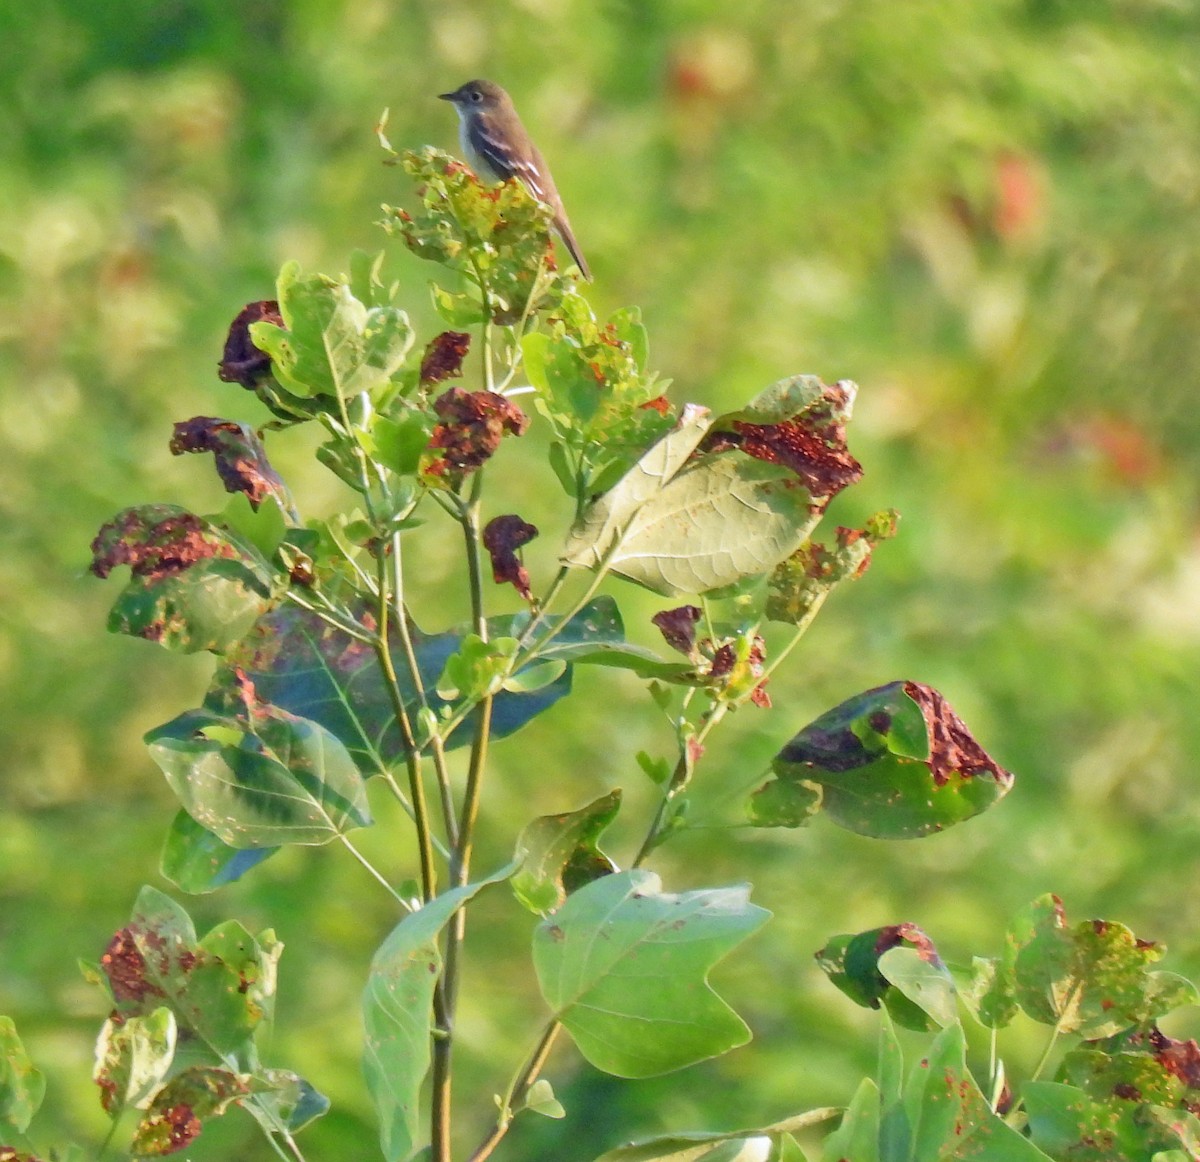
point(809, 440)
point(472, 426)
point(242, 361)
point(895, 762)
point(852, 965)
point(443, 357)
point(678, 627)
point(240, 457)
point(502, 537)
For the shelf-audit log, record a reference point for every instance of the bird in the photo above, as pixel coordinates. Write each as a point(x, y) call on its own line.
point(498, 148)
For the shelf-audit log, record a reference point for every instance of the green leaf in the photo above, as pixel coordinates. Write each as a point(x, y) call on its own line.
point(401, 440)
point(133, 1057)
point(397, 1013)
point(193, 586)
point(895, 762)
point(852, 964)
point(22, 1087)
point(780, 803)
point(857, 1137)
point(935, 1114)
point(273, 780)
point(990, 991)
point(924, 980)
point(595, 391)
point(284, 1098)
point(541, 1100)
point(1089, 979)
point(219, 988)
point(624, 967)
point(476, 668)
point(772, 1143)
point(559, 854)
point(197, 862)
point(331, 344)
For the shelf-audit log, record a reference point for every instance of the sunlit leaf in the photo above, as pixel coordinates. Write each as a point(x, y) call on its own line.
point(1090, 978)
point(624, 966)
point(331, 344)
point(924, 980)
point(679, 525)
point(397, 1013)
point(133, 1056)
point(559, 853)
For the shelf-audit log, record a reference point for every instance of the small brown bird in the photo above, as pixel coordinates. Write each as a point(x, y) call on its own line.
point(498, 148)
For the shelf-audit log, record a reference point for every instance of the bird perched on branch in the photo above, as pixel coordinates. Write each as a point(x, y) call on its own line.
point(498, 148)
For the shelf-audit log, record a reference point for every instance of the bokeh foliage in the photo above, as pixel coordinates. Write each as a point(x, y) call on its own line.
point(984, 214)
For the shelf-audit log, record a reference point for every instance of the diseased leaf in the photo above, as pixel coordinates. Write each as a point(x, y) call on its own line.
point(559, 854)
point(852, 963)
point(895, 762)
point(241, 460)
point(220, 988)
point(500, 233)
point(261, 781)
point(177, 1114)
point(1091, 978)
point(133, 1057)
point(397, 1013)
point(193, 586)
point(624, 966)
point(1066, 1123)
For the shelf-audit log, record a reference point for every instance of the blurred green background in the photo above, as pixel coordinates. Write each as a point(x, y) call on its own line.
point(986, 214)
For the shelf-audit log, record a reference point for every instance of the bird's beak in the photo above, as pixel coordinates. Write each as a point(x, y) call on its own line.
point(447, 96)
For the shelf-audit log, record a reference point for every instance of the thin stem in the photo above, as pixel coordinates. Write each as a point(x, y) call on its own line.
point(460, 863)
point(438, 752)
point(679, 779)
point(517, 1089)
point(1045, 1057)
point(544, 605)
point(416, 786)
point(112, 1132)
point(375, 873)
point(329, 617)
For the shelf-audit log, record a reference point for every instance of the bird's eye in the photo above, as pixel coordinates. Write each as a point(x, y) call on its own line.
point(476, 95)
